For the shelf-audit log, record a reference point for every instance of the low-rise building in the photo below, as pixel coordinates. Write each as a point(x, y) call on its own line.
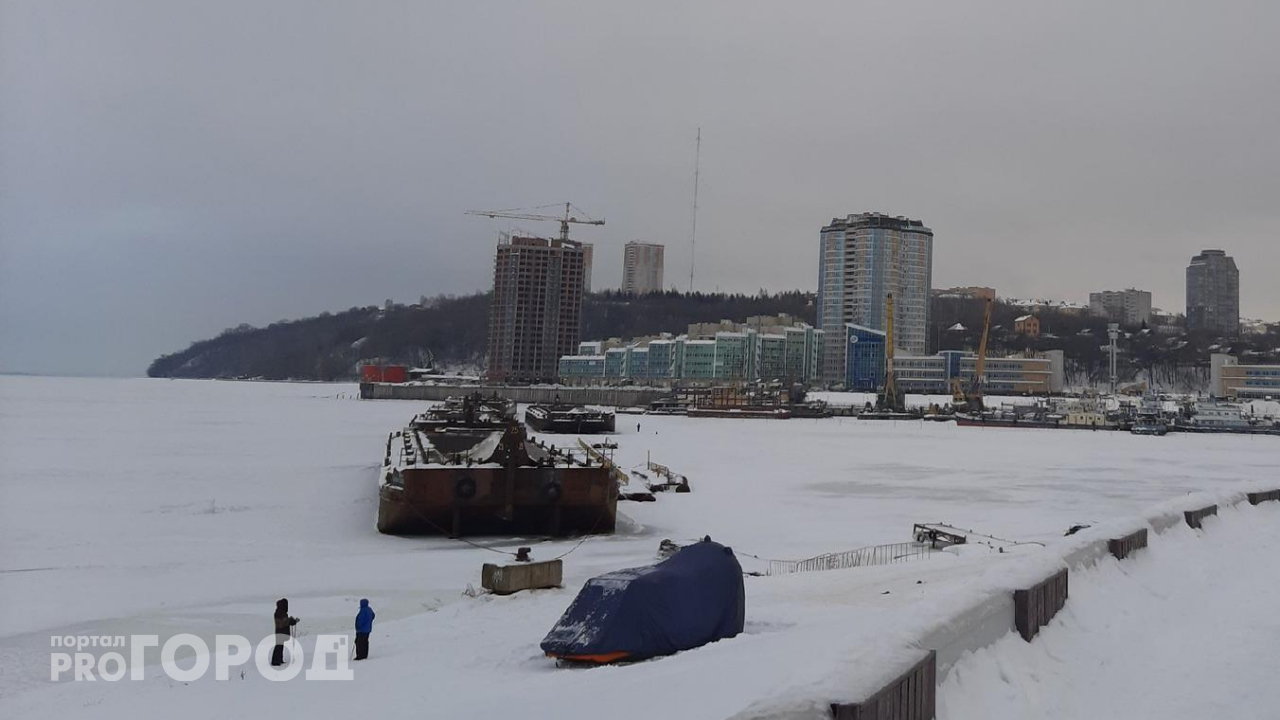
point(582, 365)
point(787, 354)
point(1044, 305)
point(972, 292)
point(1027, 325)
point(933, 374)
point(1229, 379)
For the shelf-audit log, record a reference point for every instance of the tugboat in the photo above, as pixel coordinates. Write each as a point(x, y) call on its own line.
point(482, 481)
point(1149, 419)
point(1218, 417)
point(562, 418)
point(1149, 426)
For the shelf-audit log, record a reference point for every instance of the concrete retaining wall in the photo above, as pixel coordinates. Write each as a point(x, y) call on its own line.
point(1029, 609)
point(616, 397)
point(975, 627)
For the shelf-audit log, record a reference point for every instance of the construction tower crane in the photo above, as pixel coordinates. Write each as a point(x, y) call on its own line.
point(970, 400)
point(524, 214)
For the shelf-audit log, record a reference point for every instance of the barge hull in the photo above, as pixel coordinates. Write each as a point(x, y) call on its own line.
point(460, 501)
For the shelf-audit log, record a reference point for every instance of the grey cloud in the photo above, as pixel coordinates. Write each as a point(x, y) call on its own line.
point(171, 169)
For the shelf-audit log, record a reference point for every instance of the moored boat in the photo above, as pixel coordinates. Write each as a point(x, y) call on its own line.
point(561, 418)
point(743, 411)
point(469, 411)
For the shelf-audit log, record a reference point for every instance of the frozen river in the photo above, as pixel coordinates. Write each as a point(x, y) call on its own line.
point(155, 506)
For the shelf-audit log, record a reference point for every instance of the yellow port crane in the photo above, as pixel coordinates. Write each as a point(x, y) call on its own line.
point(525, 214)
point(970, 400)
point(889, 400)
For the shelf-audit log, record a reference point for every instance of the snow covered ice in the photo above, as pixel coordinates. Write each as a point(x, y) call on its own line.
point(155, 506)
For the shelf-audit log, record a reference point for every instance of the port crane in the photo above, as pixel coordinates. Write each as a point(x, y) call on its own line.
point(970, 399)
point(525, 214)
point(890, 399)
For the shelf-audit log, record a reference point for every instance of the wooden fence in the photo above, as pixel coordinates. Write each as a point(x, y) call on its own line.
point(1195, 518)
point(1125, 546)
point(1034, 607)
point(911, 696)
point(1256, 498)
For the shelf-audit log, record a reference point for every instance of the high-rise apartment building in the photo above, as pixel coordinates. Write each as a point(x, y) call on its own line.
point(536, 312)
point(642, 268)
point(588, 257)
point(1129, 307)
point(863, 258)
point(1213, 293)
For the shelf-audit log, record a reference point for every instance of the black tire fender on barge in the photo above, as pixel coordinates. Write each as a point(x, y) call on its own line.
point(464, 488)
point(551, 491)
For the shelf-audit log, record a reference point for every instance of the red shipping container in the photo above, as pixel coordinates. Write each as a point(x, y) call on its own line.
point(371, 373)
point(395, 373)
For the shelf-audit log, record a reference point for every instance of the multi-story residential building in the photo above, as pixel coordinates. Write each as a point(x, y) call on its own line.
point(536, 313)
point(1213, 293)
point(588, 257)
point(804, 354)
point(642, 268)
point(734, 354)
point(1027, 325)
point(1229, 379)
point(662, 358)
point(862, 258)
point(791, 354)
point(582, 365)
point(699, 360)
point(1127, 307)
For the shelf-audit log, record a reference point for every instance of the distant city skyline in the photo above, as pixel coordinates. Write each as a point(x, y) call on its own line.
point(169, 172)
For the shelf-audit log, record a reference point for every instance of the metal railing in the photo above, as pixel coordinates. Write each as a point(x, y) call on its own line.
point(862, 557)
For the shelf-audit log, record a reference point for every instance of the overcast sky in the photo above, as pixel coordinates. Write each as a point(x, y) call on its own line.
point(170, 169)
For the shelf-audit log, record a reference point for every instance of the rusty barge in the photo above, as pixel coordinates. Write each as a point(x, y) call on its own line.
point(456, 480)
point(472, 411)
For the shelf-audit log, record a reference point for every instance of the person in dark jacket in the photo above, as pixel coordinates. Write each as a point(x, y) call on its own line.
point(364, 626)
point(284, 624)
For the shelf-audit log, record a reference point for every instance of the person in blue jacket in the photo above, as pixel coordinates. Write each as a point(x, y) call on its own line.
point(364, 626)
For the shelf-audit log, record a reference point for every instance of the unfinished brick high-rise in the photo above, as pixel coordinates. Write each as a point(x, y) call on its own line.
point(536, 312)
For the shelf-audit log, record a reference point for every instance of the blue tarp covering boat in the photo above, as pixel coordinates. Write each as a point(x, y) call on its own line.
point(694, 597)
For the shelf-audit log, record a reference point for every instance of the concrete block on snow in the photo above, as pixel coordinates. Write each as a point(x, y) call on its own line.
point(507, 579)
